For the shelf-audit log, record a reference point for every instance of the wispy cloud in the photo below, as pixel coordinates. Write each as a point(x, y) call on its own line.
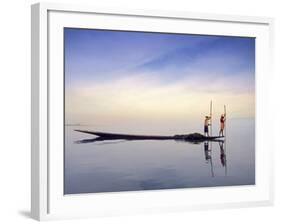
point(142, 98)
point(115, 77)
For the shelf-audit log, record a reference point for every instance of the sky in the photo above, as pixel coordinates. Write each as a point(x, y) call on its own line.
point(129, 78)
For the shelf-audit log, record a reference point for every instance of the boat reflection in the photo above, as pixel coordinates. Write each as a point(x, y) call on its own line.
point(207, 146)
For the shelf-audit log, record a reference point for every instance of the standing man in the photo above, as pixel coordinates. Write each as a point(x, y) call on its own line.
point(222, 124)
point(206, 125)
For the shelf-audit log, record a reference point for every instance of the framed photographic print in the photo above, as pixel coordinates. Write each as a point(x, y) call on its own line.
point(148, 111)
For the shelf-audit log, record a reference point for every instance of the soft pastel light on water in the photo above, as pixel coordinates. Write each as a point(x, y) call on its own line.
point(148, 165)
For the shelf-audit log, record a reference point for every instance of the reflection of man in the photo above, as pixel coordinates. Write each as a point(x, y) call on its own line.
point(207, 151)
point(222, 154)
point(206, 125)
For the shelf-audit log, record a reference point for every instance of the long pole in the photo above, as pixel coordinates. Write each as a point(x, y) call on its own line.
point(211, 111)
point(225, 121)
point(211, 148)
point(225, 141)
point(212, 167)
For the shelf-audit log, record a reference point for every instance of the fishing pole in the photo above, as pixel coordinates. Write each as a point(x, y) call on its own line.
point(211, 134)
point(225, 140)
point(211, 111)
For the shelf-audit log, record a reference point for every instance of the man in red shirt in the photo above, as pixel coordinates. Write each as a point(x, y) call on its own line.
point(222, 124)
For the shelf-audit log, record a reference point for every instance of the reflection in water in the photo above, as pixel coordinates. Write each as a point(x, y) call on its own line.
point(208, 155)
point(99, 139)
point(207, 151)
point(207, 148)
point(95, 165)
point(223, 156)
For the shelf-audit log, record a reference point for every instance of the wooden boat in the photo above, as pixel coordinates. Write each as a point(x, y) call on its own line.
point(194, 137)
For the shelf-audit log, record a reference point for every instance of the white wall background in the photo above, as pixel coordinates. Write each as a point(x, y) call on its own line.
point(15, 110)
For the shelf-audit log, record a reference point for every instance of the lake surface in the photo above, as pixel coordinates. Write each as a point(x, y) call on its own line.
point(112, 166)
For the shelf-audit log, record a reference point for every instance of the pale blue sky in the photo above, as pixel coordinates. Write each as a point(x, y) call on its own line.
point(97, 55)
point(181, 66)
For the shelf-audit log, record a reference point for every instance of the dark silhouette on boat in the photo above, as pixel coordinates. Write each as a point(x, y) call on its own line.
point(193, 137)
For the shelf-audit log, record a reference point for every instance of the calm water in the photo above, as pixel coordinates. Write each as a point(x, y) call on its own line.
point(120, 165)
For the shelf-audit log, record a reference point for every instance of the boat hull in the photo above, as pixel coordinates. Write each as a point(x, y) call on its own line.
point(186, 137)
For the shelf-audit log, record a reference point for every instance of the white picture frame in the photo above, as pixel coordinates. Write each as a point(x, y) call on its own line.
point(47, 199)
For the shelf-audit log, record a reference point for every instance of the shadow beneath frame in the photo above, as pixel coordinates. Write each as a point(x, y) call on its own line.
point(24, 213)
